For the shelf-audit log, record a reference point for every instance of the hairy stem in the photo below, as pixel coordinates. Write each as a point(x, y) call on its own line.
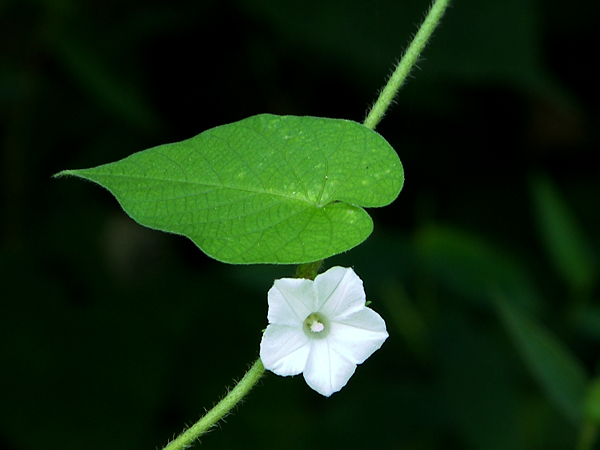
point(187, 438)
point(406, 63)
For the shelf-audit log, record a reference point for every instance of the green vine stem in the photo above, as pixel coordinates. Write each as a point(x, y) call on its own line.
point(187, 438)
point(406, 63)
point(310, 270)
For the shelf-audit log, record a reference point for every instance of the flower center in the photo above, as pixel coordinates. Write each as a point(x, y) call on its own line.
point(316, 326)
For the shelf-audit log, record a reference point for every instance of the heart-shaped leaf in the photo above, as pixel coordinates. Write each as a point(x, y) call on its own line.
point(266, 189)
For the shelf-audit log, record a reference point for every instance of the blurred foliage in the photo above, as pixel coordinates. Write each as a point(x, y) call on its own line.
point(486, 267)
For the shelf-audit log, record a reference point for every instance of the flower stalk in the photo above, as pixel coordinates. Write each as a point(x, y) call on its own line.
point(308, 270)
point(187, 438)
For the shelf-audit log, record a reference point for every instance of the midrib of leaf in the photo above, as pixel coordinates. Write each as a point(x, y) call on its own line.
point(216, 186)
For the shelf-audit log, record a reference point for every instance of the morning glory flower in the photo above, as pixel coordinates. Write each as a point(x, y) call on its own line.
point(320, 328)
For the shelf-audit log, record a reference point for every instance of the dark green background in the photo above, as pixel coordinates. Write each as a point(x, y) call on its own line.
point(113, 336)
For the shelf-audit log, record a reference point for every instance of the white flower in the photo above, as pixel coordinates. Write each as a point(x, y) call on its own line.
point(321, 328)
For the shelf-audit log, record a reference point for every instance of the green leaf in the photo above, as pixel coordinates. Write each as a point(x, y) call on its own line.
point(560, 374)
point(266, 189)
point(562, 236)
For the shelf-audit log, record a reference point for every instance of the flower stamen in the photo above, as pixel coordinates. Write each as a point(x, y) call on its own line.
point(316, 327)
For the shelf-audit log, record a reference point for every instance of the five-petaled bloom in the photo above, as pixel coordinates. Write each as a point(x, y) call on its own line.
point(321, 328)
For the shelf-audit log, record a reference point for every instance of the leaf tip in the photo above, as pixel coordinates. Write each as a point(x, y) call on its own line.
point(62, 173)
point(68, 173)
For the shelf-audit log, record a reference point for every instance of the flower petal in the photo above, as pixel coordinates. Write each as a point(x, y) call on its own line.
point(358, 336)
point(290, 301)
point(327, 371)
point(340, 292)
point(284, 349)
